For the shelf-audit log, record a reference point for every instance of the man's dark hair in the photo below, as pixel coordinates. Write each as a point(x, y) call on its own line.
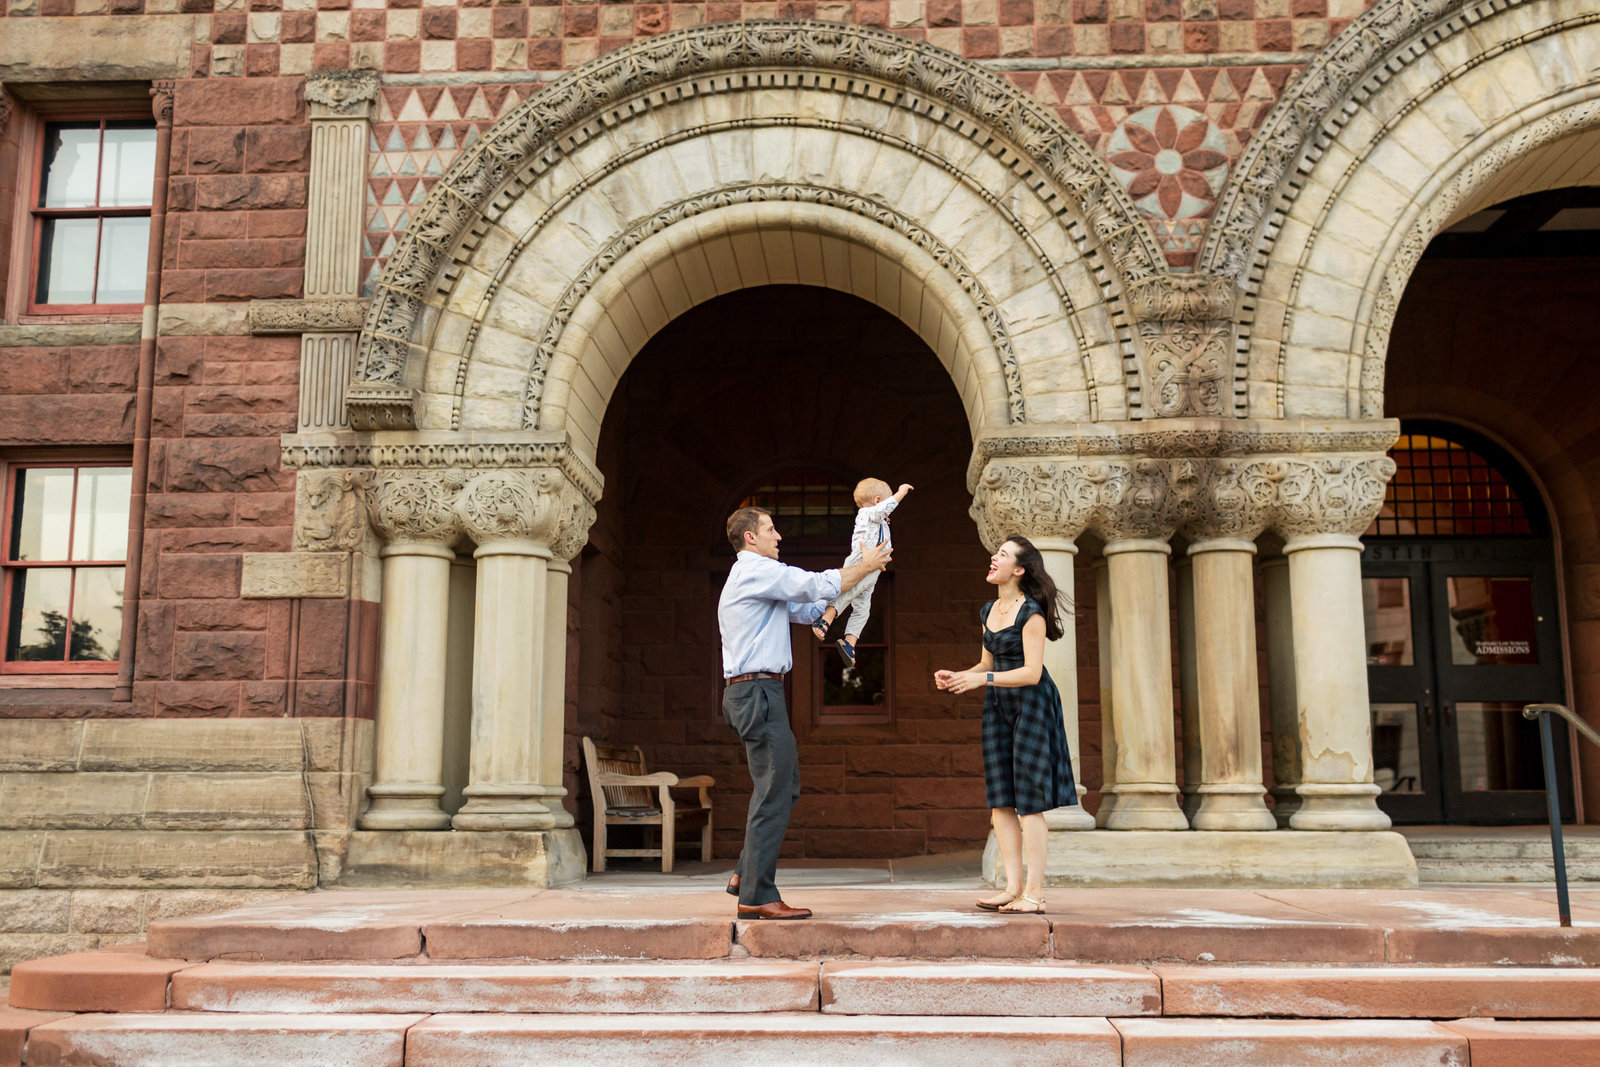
point(745, 520)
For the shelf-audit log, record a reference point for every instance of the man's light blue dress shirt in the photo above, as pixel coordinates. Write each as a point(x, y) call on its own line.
point(761, 598)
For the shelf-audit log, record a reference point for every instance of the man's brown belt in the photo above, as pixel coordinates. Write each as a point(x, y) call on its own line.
point(753, 676)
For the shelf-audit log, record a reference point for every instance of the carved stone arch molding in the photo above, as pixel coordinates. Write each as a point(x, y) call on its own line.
point(1077, 266)
point(1374, 149)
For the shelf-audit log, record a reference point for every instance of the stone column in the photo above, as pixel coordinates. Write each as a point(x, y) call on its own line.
point(553, 699)
point(1283, 705)
point(339, 102)
point(1141, 686)
point(510, 515)
point(1227, 687)
point(1108, 733)
point(1323, 503)
point(1061, 660)
point(412, 513)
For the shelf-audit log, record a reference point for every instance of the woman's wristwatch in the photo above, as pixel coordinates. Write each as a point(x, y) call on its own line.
point(989, 680)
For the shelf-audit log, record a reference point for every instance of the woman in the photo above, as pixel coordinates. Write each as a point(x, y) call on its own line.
point(1027, 768)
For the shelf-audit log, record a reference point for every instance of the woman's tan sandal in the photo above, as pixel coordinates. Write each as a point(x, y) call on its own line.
point(996, 905)
point(1037, 909)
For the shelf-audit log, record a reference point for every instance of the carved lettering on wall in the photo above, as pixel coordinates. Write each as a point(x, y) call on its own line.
point(274, 575)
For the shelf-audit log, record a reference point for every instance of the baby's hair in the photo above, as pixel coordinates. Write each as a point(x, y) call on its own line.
point(867, 488)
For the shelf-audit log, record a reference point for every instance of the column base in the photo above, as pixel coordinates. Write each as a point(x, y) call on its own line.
point(1233, 808)
point(393, 860)
point(1108, 804)
point(414, 809)
point(1338, 807)
point(1073, 817)
point(1280, 859)
point(1155, 810)
point(504, 808)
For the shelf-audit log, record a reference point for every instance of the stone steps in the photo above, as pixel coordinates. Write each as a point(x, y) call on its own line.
point(1486, 856)
point(488, 1039)
point(1466, 977)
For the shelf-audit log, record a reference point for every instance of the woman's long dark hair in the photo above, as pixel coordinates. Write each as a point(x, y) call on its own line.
point(1037, 585)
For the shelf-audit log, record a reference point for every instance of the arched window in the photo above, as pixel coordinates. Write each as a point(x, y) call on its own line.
point(807, 504)
point(1449, 483)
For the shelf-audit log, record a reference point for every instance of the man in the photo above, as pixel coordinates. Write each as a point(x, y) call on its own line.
point(761, 598)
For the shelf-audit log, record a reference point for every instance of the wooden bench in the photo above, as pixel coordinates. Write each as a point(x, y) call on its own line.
point(625, 793)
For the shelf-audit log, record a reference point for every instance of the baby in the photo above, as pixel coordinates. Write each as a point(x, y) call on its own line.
point(872, 528)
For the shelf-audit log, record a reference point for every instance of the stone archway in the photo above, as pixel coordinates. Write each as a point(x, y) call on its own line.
point(1402, 125)
point(987, 209)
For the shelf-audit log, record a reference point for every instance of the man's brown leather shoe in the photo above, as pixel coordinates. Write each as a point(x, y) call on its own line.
point(776, 909)
point(733, 885)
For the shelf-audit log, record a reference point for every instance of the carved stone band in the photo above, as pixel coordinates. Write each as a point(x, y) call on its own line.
point(1133, 498)
point(307, 316)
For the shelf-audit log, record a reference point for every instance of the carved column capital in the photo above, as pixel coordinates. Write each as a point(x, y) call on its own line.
point(1147, 499)
point(1225, 507)
point(411, 506)
point(1036, 498)
point(511, 505)
point(1320, 494)
point(162, 94)
point(341, 94)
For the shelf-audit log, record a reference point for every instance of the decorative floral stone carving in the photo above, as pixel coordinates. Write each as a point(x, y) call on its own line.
point(410, 505)
point(1190, 367)
point(1331, 494)
point(1134, 498)
point(341, 93)
point(512, 505)
point(307, 316)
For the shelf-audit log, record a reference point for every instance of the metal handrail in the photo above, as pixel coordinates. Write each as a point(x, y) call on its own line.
point(1558, 852)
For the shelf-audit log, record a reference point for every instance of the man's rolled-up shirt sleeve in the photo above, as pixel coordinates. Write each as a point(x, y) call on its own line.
point(794, 585)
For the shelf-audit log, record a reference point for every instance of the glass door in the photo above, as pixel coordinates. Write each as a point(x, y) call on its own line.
point(1498, 649)
point(1402, 691)
point(1460, 636)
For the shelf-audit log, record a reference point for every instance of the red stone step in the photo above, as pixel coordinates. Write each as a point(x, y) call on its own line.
point(161, 1040)
point(1288, 1042)
point(14, 1026)
point(792, 1040)
point(1044, 988)
point(118, 979)
point(1516, 1043)
point(752, 986)
point(1381, 992)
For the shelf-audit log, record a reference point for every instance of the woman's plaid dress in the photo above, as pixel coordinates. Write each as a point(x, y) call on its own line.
point(1026, 762)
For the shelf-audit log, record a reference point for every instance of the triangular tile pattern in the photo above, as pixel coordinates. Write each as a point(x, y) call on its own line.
point(419, 132)
point(1094, 103)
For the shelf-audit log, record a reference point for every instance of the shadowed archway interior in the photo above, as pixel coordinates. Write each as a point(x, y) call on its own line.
point(760, 379)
